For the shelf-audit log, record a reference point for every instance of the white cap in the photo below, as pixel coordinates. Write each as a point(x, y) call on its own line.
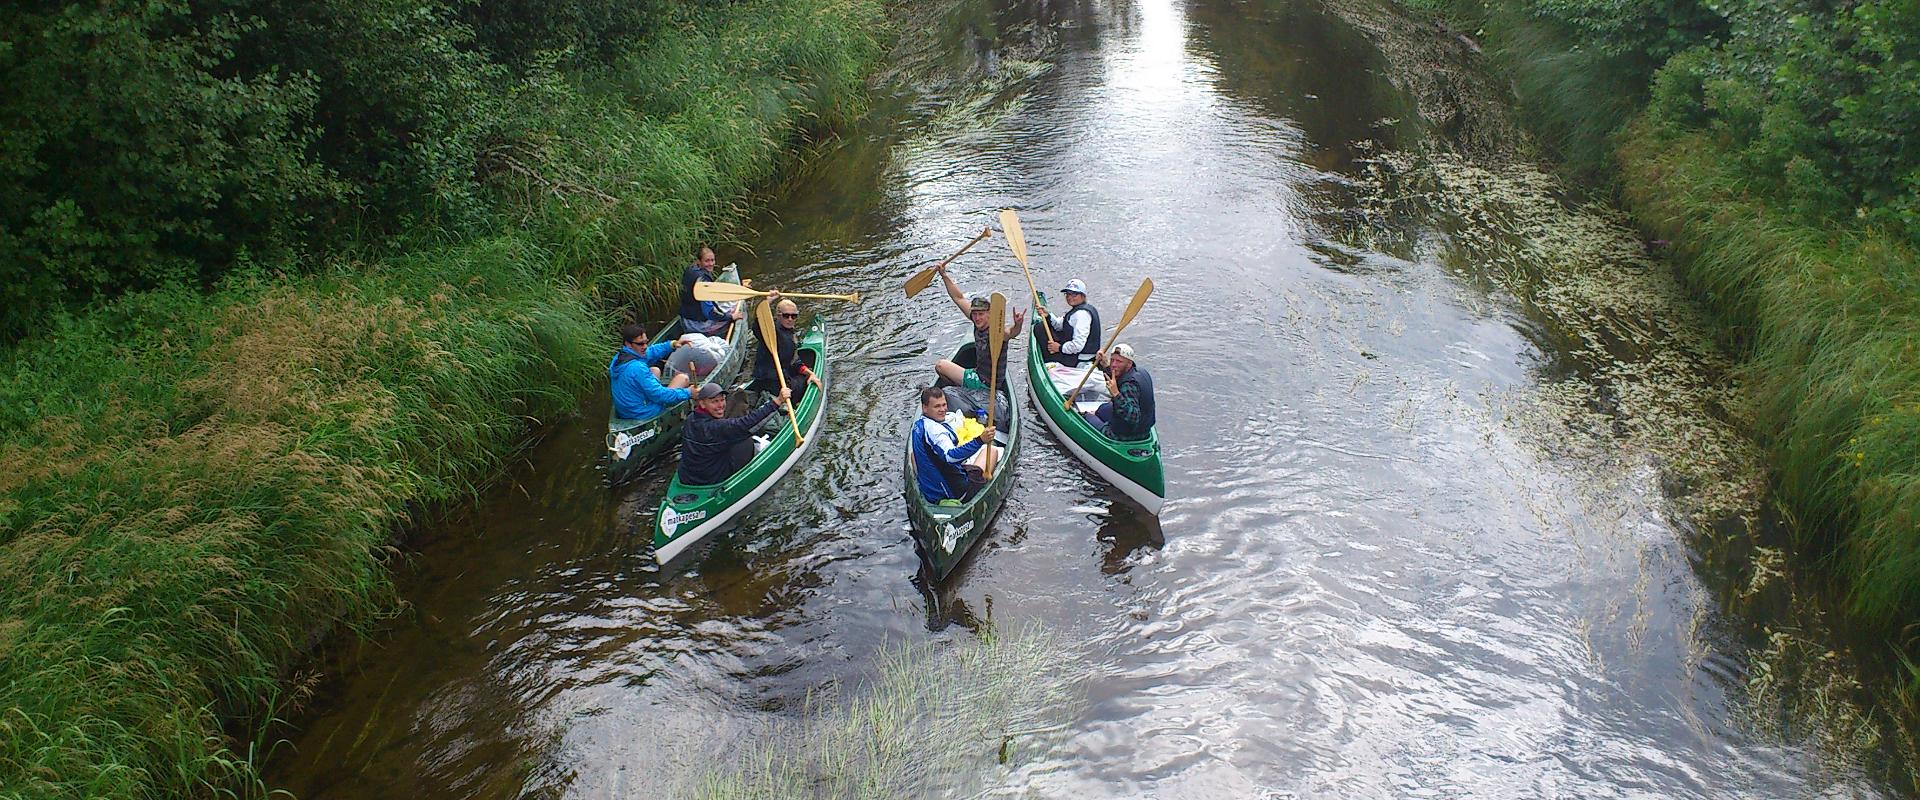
point(1123, 350)
point(1075, 286)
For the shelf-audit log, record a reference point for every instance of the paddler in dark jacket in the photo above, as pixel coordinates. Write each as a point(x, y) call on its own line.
point(1076, 336)
point(713, 447)
point(703, 316)
point(786, 315)
point(1128, 417)
point(967, 368)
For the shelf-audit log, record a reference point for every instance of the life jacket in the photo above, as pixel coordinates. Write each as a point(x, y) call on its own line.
point(1065, 333)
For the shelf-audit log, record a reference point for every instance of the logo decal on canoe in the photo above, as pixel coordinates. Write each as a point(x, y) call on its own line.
point(950, 535)
point(670, 520)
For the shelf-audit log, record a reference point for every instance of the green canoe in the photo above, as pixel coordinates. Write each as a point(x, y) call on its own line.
point(633, 443)
point(945, 533)
point(1132, 467)
point(689, 513)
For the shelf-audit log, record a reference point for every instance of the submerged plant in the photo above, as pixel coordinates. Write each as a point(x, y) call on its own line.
point(933, 721)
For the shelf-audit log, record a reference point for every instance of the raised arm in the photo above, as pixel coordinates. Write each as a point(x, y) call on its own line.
point(953, 291)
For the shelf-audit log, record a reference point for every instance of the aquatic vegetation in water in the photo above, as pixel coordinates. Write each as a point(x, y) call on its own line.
point(1638, 383)
point(933, 722)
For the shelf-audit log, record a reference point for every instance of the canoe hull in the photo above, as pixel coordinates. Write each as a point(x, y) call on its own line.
point(1132, 467)
point(945, 534)
point(689, 514)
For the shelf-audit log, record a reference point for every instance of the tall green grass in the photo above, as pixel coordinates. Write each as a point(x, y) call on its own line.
point(195, 486)
point(1830, 326)
point(1573, 98)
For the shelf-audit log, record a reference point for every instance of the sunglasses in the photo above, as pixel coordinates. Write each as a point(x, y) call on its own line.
point(789, 316)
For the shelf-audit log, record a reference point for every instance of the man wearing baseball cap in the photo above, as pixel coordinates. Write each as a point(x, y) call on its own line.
point(713, 447)
point(1128, 417)
point(1076, 334)
point(969, 369)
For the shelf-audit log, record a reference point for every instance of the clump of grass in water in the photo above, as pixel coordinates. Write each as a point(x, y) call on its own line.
point(933, 722)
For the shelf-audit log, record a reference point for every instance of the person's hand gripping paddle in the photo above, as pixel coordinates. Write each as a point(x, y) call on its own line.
point(763, 314)
point(1133, 307)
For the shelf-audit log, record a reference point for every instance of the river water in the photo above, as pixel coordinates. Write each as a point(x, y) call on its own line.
point(1364, 584)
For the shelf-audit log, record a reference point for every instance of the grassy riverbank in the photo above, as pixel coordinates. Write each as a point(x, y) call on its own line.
point(1769, 147)
point(199, 479)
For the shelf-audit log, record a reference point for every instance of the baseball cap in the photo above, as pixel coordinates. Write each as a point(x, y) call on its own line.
point(711, 390)
point(1075, 286)
point(981, 302)
point(1123, 350)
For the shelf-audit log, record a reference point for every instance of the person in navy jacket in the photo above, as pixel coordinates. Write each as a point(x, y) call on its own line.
point(1128, 417)
point(704, 316)
point(637, 392)
point(714, 447)
point(939, 463)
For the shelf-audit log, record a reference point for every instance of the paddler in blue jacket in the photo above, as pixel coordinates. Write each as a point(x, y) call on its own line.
point(637, 393)
point(939, 462)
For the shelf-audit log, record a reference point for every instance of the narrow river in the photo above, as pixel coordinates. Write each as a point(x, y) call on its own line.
point(1363, 584)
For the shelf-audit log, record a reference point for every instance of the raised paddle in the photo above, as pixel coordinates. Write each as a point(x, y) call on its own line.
point(996, 341)
point(768, 336)
point(1133, 307)
point(1017, 242)
point(724, 292)
point(924, 278)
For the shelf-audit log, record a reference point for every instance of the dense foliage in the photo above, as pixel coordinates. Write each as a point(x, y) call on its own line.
point(150, 142)
point(380, 247)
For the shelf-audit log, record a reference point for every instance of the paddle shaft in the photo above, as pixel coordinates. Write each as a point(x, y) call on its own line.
point(1017, 242)
point(996, 342)
point(1133, 307)
point(727, 292)
point(924, 278)
point(769, 336)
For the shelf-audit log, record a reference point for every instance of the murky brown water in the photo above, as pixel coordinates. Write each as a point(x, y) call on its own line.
point(1364, 583)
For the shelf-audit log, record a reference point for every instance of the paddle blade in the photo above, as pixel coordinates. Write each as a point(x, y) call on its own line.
point(1016, 238)
point(1133, 307)
point(763, 321)
point(719, 291)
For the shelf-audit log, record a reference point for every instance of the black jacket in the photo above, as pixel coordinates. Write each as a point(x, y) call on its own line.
point(763, 360)
point(703, 448)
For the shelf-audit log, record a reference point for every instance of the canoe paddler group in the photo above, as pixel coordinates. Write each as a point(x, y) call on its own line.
point(739, 433)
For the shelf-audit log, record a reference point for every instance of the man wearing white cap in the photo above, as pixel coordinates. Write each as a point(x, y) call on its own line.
point(1128, 417)
point(1076, 334)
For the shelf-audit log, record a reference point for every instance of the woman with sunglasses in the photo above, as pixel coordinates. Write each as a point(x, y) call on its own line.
point(786, 316)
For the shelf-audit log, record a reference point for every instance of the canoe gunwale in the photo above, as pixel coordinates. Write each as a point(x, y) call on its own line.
point(1082, 440)
point(744, 493)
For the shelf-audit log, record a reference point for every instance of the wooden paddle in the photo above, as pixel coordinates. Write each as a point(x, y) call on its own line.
point(724, 292)
point(924, 278)
point(769, 336)
point(1017, 242)
point(996, 342)
point(1133, 307)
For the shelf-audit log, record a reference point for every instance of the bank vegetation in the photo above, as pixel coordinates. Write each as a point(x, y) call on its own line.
point(1768, 146)
point(276, 276)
